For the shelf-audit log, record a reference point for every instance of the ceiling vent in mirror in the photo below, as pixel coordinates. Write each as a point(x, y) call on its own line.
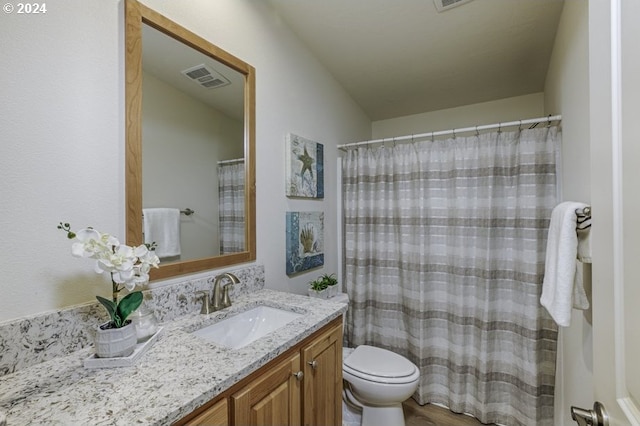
point(443, 5)
point(205, 77)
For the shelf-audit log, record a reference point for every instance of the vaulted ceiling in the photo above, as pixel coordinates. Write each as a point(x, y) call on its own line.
point(402, 57)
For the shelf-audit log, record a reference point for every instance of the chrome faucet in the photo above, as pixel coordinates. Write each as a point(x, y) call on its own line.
point(221, 302)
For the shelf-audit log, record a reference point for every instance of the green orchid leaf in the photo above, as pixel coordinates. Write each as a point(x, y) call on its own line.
point(128, 304)
point(110, 306)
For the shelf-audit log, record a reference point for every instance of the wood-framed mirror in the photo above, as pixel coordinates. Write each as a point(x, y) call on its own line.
point(190, 146)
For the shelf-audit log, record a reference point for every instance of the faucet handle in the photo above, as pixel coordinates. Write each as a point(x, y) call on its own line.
point(206, 308)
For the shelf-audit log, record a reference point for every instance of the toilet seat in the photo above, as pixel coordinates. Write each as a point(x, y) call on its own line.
point(380, 366)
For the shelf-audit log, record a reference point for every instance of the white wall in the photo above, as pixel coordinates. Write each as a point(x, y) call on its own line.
point(62, 133)
point(502, 110)
point(61, 149)
point(567, 93)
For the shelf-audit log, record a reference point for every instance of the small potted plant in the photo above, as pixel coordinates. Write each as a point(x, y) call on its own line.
point(128, 267)
point(318, 288)
point(332, 284)
point(324, 287)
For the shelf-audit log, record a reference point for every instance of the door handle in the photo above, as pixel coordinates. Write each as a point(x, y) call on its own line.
point(596, 417)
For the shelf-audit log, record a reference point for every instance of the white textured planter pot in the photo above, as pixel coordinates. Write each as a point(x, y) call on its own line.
point(333, 290)
point(115, 342)
point(322, 294)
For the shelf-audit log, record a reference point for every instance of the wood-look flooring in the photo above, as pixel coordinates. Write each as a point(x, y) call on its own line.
point(433, 415)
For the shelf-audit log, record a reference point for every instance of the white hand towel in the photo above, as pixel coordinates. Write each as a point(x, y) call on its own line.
point(584, 245)
point(162, 226)
point(580, 300)
point(559, 284)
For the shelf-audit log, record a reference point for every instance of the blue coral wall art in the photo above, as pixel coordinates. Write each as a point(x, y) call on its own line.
point(304, 168)
point(305, 241)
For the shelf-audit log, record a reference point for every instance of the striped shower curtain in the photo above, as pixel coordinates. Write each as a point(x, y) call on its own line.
point(231, 206)
point(444, 259)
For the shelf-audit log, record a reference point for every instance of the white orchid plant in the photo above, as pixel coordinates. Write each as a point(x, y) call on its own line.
point(128, 267)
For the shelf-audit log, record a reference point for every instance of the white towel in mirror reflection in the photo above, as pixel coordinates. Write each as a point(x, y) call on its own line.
point(162, 226)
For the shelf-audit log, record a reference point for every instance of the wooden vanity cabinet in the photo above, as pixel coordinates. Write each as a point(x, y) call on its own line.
point(216, 415)
point(301, 386)
point(271, 399)
point(322, 360)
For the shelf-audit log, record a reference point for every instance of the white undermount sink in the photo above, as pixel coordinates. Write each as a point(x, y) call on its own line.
point(246, 327)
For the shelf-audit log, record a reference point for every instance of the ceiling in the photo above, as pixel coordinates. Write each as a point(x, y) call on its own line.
point(403, 57)
point(166, 58)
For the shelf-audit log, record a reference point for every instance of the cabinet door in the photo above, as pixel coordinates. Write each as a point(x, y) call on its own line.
point(271, 399)
point(323, 379)
point(217, 415)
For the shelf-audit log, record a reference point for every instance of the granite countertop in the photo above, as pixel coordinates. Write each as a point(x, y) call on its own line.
point(179, 373)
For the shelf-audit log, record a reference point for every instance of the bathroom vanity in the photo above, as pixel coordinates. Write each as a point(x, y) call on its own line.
point(291, 375)
point(301, 386)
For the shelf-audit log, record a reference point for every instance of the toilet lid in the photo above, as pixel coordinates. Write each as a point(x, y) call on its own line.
point(379, 362)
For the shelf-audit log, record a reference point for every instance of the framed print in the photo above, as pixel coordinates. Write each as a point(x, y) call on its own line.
point(305, 241)
point(304, 167)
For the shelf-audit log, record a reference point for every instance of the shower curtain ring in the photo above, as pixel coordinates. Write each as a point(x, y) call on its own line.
point(519, 125)
point(499, 127)
point(477, 132)
point(454, 133)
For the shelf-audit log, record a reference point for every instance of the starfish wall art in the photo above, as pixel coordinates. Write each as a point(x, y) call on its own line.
point(305, 168)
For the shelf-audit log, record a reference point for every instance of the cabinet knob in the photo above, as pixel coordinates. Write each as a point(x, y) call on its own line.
point(313, 364)
point(299, 375)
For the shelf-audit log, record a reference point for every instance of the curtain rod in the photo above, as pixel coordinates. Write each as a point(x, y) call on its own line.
point(453, 132)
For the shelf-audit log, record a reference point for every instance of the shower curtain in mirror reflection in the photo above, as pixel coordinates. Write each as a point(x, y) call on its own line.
point(444, 259)
point(231, 206)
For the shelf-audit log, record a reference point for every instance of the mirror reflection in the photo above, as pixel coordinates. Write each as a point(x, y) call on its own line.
point(190, 146)
point(192, 151)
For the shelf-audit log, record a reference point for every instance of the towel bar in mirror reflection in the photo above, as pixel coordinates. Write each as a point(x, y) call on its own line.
point(186, 212)
point(190, 109)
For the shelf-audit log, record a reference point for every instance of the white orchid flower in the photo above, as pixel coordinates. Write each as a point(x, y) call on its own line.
point(149, 258)
point(89, 243)
point(124, 277)
point(139, 278)
point(118, 260)
point(140, 251)
point(109, 241)
point(127, 266)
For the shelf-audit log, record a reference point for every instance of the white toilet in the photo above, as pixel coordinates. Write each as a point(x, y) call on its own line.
point(377, 381)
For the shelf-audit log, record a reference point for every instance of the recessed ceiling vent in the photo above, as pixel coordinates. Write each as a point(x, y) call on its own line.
point(443, 5)
point(205, 77)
